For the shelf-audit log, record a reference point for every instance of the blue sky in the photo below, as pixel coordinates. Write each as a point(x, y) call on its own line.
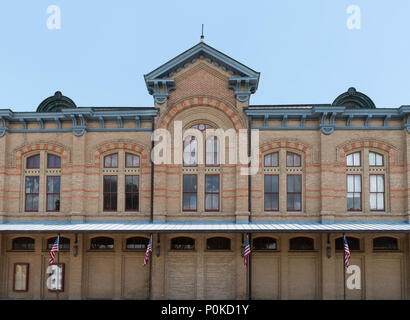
point(303, 49)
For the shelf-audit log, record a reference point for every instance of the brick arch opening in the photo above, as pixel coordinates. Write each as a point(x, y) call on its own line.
point(58, 149)
point(119, 145)
point(206, 101)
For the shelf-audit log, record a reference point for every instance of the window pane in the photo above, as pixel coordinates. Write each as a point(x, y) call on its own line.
point(297, 183)
point(268, 201)
point(113, 184)
point(350, 183)
point(296, 202)
point(296, 160)
point(380, 201)
point(208, 201)
point(380, 183)
point(373, 184)
point(275, 202)
point(357, 202)
point(290, 201)
point(356, 159)
point(357, 183)
point(186, 201)
point(349, 160)
point(289, 159)
point(373, 201)
point(290, 184)
point(193, 201)
point(192, 184)
point(350, 201)
point(372, 158)
point(268, 183)
point(275, 183)
point(379, 160)
point(132, 161)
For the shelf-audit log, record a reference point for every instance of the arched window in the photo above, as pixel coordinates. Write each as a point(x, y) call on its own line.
point(182, 243)
point(190, 151)
point(53, 161)
point(353, 159)
point(353, 243)
point(137, 243)
point(264, 243)
point(385, 243)
point(64, 243)
point(23, 243)
point(271, 159)
point(301, 243)
point(293, 159)
point(375, 159)
point(33, 162)
point(212, 151)
point(102, 243)
point(132, 160)
point(111, 161)
point(218, 243)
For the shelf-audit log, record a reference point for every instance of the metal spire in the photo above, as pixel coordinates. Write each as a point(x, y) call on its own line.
point(202, 35)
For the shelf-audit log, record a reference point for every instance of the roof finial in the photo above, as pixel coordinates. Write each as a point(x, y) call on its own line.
point(202, 35)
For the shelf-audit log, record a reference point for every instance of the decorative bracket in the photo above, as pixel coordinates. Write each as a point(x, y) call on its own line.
point(243, 87)
point(3, 127)
point(78, 130)
point(160, 88)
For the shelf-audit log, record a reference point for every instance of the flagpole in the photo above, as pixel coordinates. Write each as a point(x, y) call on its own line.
point(150, 273)
point(58, 265)
point(344, 269)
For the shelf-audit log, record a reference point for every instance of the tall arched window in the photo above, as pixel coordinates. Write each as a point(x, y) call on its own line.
point(121, 177)
point(190, 151)
point(271, 159)
point(102, 243)
point(23, 243)
point(301, 243)
point(182, 243)
point(42, 168)
point(218, 243)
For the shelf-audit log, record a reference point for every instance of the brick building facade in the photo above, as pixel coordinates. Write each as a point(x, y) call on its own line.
point(323, 170)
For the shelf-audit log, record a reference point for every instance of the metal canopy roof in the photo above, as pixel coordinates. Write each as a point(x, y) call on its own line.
point(129, 227)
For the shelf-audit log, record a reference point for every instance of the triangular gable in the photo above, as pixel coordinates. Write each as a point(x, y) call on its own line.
point(244, 80)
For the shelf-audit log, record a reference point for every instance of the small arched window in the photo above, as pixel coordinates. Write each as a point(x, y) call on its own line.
point(385, 243)
point(265, 243)
point(190, 151)
point(53, 161)
point(137, 243)
point(375, 159)
point(293, 159)
point(111, 161)
point(271, 159)
point(23, 243)
point(353, 159)
point(64, 243)
point(182, 243)
point(301, 243)
point(212, 151)
point(33, 162)
point(218, 243)
point(353, 243)
point(102, 243)
point(132, 160)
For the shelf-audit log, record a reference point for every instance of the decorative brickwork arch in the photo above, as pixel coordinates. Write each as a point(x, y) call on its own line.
point(207, 101)
point(287, 143)
point(389, 149)
point(129, 145)
point(19, 153)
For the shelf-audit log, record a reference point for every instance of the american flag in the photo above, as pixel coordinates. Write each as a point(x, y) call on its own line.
point(149, 249)
point(53, 250)
point(347, 252)
point(247, 250)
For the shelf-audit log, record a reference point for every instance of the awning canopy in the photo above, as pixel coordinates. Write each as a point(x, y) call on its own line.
point(131, 227)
